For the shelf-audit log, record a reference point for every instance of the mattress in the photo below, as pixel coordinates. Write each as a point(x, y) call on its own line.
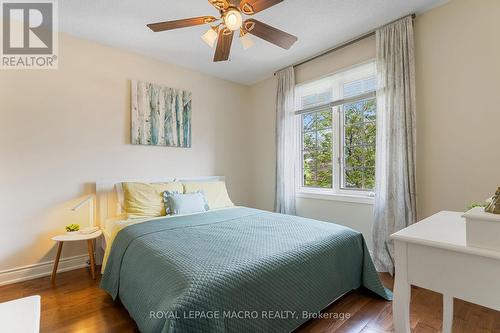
point(236, 270)
point(112, 226)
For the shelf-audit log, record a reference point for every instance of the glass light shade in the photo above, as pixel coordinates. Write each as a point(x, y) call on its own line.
point(210, 37)
point(233, 20)
point(247, 41)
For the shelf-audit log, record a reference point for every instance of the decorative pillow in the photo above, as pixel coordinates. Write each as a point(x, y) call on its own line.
point(185, 203)
point(120, 199)
point(215, 192)
point(146, 199)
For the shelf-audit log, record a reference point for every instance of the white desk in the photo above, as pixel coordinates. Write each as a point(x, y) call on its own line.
point(20, 315)
point(433, 254)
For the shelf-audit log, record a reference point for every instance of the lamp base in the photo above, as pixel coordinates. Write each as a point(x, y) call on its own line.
point(88, 230)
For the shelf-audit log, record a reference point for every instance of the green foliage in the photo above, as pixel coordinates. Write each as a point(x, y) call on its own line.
point(318, 149)
point(475, 204)
point(72, 227)
point(359, 146)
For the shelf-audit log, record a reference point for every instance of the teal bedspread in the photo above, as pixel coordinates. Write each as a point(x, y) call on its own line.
point(235, 270)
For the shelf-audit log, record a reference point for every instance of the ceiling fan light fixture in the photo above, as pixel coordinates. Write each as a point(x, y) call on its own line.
point(228, 22)
point(233, 19)
point(210, 37)
point(247, 41)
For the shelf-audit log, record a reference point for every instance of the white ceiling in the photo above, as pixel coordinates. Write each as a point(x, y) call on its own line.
point(319, 25)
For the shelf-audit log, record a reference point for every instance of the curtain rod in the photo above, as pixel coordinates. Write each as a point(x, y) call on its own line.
point(344, 44)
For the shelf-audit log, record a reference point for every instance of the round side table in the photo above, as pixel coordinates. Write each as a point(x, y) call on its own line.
point(75, 238)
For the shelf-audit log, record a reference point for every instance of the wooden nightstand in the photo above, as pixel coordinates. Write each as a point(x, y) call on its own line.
point(73, 238)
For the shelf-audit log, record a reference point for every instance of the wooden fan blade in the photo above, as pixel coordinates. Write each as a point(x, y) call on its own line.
point(270, 34)
point(223, 45)
point(251, 7)
point(219, 4)
point(169, 25)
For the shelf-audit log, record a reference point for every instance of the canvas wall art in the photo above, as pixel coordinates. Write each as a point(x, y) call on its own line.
point(160, 116)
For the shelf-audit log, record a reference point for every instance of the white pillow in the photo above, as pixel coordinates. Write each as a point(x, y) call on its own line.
point(185, 203)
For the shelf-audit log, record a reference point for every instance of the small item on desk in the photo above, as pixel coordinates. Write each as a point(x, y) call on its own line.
point(494, 203)
point(476, 204)
point(72, 228)
point(482, 229)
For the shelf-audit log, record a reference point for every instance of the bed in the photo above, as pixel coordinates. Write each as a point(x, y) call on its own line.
point(233, 270)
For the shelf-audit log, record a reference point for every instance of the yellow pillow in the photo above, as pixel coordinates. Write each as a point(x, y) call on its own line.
point(146, 200)
point(215, 193)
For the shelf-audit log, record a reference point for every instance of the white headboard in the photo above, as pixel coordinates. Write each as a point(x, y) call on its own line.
point(107, 201)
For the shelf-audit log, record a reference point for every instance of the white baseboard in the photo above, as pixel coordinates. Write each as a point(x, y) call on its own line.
point(42, 269)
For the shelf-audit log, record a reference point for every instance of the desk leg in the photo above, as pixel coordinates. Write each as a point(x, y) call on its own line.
point(56, 262)
point(402, 291)
point(447, 313)
point(91, 257)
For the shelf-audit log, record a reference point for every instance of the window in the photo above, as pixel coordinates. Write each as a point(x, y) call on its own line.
point(338, 131)
point(317, 143)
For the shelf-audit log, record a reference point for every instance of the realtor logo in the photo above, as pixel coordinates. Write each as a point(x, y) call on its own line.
point(29, 35)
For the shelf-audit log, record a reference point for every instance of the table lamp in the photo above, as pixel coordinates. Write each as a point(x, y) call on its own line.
point(90, 200)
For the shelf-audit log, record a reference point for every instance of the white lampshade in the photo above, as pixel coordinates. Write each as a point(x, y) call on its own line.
point(247, 41)
point(91, 202)
point(233, 19)
point(210, 37)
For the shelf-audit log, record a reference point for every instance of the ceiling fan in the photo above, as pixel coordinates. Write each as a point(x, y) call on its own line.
point(231, 19)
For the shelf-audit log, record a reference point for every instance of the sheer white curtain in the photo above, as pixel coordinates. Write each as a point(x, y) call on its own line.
point(395, 199)
point(286, 143)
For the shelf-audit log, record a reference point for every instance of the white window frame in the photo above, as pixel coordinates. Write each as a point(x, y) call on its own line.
point(336, 193)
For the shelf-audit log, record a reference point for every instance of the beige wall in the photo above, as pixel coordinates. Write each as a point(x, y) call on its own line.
point(458, 106)
point(262, 125)
point(458, 96)
point(62, 130)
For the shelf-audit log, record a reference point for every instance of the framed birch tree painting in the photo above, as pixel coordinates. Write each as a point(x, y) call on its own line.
point(160, 116)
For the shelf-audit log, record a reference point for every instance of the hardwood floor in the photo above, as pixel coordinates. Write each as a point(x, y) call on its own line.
point(77, 304)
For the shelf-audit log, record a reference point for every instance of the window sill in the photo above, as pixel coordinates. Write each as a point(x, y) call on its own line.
point(325, 195)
